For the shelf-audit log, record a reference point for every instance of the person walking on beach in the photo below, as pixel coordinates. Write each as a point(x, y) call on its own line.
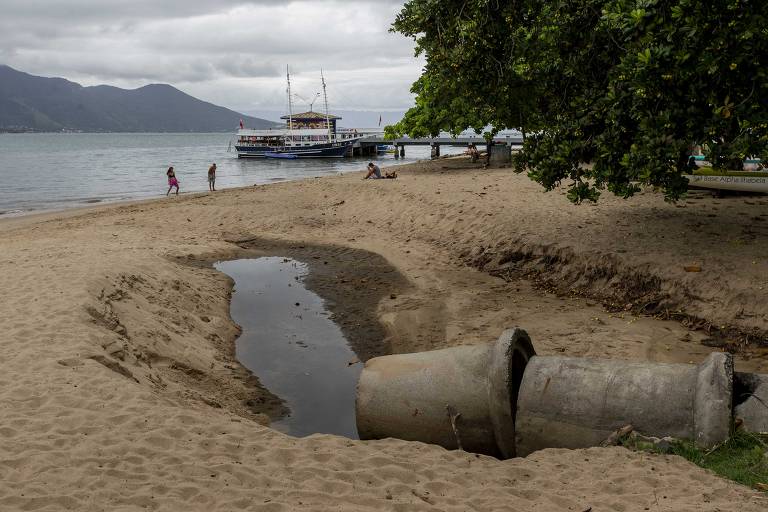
point(172, 181)
point(212, 178)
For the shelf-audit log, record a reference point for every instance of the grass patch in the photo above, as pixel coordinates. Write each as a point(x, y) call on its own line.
point(742, 458)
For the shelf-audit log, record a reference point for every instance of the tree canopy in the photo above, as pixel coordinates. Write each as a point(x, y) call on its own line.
point(610, 94)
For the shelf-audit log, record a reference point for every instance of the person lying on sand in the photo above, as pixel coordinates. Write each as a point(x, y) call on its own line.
point(374, 173)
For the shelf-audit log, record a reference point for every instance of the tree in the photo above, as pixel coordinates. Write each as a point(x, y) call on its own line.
point(611, 94)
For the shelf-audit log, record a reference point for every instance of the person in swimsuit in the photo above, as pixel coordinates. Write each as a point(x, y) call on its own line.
point(473, 152)
point(172, 181)
point(212, 178)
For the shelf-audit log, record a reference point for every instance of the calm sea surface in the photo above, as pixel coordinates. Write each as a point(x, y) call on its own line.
point(63, 170)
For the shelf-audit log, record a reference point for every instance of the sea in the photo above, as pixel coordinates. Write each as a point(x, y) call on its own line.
point(57, 171)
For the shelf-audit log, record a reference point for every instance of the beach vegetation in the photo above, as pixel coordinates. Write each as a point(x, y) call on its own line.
point(743, 457)
point(608, 94)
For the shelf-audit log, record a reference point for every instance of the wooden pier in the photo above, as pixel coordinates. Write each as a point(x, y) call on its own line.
point(368, 145)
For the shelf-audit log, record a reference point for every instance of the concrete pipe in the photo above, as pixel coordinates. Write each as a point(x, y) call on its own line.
point(567, 402)
point(461, 397)
point(750, 397)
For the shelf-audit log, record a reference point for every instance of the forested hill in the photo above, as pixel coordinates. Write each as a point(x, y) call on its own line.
point(54, 104)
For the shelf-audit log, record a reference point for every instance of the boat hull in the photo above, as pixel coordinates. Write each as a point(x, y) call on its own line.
point(742, 182)
point(333, 150)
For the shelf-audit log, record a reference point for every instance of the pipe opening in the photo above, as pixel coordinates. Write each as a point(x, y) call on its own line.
point(744, 386)
point(517, 365)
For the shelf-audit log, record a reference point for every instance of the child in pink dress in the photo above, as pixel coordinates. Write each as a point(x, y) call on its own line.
point(172, 181)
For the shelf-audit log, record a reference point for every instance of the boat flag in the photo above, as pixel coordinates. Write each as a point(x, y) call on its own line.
point(241, 124)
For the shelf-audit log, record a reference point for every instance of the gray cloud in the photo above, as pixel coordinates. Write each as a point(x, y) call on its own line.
point(229, 52)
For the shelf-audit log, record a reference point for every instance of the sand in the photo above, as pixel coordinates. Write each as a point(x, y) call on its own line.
point(119, 389)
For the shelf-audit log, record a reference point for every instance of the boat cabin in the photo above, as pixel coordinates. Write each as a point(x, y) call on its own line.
point(312, 121)
point(305, 129)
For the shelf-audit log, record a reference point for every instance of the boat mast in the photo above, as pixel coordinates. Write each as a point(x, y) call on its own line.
point(290, 105)
point(327, 117)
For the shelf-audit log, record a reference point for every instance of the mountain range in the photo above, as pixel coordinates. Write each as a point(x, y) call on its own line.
point(29, 102)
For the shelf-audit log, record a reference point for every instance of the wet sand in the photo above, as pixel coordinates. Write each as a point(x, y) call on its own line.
point(119, 389)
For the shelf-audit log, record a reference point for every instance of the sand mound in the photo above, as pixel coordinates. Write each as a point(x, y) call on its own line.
point(118, 388)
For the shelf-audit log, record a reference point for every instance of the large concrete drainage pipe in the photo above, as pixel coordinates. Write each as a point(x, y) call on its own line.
point(567, 402)
point(461, 397)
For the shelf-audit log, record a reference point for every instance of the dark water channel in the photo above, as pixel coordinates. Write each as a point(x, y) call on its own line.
point(292, 345)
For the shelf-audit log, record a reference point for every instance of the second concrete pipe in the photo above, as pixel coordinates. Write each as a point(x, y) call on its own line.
point(570, 402)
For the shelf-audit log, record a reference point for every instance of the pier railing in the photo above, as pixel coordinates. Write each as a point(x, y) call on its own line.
point(510, 140)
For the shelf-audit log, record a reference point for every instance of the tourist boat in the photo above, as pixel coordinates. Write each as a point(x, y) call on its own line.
point(305, 135)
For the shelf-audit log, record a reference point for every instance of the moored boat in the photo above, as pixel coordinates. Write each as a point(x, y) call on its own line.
point(743, 181)
point(306, 135)
point(385, 148)
point(753, 178)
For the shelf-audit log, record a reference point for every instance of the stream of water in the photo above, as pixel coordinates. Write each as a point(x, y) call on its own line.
point(290, 343)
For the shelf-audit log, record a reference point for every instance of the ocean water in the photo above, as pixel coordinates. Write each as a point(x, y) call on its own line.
point(51, 171)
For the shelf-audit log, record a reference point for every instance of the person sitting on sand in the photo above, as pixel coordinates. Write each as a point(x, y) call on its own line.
point(212, 178)
point(374, 173)
point(172, 181)
point(473, 152)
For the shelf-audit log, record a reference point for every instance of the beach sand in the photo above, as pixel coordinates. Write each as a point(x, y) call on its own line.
point(119, 389)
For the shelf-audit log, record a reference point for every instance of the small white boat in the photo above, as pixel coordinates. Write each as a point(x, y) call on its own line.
point(753, 178)
point(744, 181)
point(284, 156)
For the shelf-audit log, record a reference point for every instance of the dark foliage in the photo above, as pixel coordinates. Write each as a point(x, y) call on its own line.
point(610, 93)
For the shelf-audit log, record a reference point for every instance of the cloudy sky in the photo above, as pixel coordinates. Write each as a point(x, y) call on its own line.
point(229, 52)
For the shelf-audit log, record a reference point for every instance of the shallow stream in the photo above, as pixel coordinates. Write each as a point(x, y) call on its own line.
point(290, 343)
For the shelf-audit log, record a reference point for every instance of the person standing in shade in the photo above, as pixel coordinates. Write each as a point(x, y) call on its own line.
point(172, 181)
point(212, 178)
